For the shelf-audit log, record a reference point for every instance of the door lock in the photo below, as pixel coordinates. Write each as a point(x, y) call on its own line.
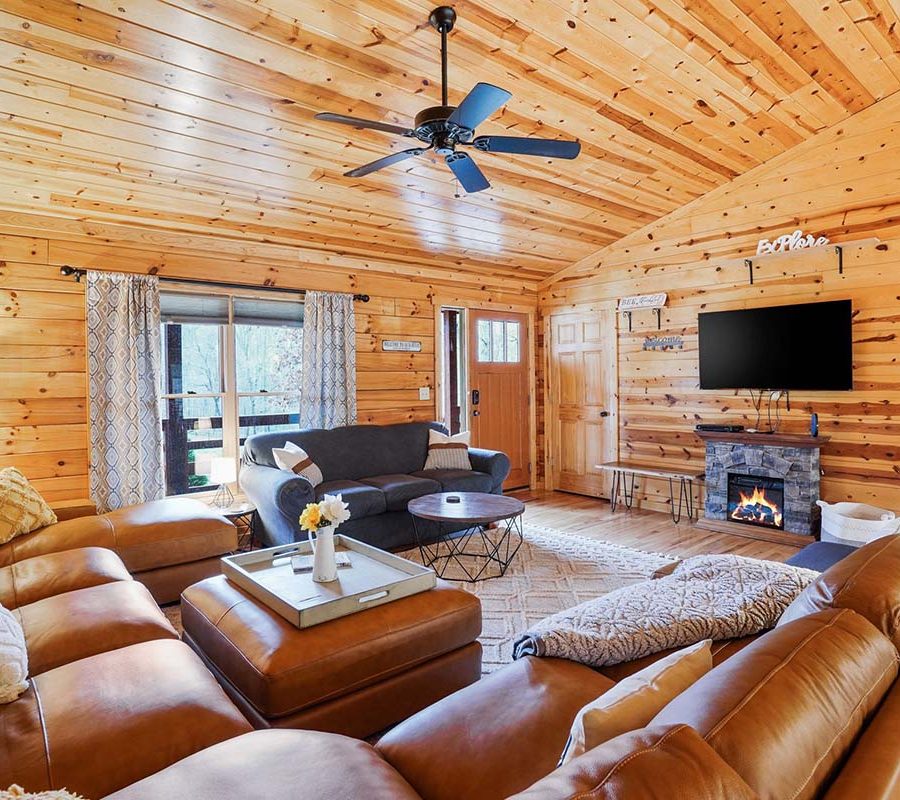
point(476, 397)
point(604, 413)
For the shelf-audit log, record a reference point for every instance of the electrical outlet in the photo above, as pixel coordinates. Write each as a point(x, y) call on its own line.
point(425, 393)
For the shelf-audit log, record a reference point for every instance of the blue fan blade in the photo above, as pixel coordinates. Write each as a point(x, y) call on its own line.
point(467, 172)
point(525, 146)
point(478, 105)
point(381, 163)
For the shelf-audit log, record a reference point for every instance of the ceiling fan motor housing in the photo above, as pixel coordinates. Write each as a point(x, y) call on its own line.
point(432, 126)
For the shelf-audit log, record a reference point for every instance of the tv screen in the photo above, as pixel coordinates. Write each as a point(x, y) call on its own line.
point(799, 347)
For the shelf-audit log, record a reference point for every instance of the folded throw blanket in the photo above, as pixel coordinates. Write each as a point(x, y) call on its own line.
point(706, 597)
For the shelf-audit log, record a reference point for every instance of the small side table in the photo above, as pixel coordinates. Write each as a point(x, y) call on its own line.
point(244, 517)
point(491, 523)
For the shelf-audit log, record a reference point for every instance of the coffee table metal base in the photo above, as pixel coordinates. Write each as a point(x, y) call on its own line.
point(499, 542)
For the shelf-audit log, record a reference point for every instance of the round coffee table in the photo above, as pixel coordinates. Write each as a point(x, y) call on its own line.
point(479, 533)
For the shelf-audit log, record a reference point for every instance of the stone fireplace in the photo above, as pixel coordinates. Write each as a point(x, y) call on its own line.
point(767, 481)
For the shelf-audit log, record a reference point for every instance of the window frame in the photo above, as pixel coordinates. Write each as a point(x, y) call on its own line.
point(229, 394)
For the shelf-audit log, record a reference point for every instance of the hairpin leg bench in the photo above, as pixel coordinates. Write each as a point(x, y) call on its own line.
point(624, 474)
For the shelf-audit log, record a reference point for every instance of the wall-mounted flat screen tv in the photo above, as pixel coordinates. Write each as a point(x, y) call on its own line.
point(802, 347)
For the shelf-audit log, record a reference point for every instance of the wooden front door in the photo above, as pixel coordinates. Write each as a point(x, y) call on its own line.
point(499, 415)
point(582, 415)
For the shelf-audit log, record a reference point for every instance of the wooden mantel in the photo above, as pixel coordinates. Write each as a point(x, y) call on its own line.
point(765, 439)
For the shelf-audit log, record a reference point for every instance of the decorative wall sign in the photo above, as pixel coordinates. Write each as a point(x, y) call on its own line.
point(642, 301)
point(401, 345)
point(790, 241)
point(663, 343)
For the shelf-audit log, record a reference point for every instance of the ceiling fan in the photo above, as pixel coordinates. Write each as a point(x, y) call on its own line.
point(444, 128)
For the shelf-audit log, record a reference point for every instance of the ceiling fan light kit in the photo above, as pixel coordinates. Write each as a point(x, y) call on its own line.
point(444, 128)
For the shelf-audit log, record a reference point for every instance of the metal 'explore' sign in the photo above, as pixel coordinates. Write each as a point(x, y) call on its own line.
point(663, 343)
point(642, 301)
point(798, 240)
point(401, 346)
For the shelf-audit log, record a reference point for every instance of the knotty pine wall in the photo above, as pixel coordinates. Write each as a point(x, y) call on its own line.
point(43, 383)
point(844, 183)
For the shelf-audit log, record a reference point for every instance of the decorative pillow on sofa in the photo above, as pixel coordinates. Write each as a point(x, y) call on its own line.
point(294, 458)
point(448, 452)
point(637, 699)
point(13, 657)
point(22, 509)
point(18, 793)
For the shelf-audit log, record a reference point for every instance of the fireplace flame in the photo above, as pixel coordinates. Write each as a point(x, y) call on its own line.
point(753, 508)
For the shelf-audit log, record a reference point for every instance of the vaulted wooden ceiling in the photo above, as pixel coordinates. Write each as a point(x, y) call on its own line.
point(197, 115)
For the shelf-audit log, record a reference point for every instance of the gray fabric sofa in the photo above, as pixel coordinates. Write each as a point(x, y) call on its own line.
point(377, 469)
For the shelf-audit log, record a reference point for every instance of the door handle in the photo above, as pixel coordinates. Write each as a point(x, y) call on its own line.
point(476, 413)
point(604, 413)
point(476, 397)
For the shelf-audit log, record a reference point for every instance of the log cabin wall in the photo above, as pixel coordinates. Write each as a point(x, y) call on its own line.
point(845, 184)
point(43, 382)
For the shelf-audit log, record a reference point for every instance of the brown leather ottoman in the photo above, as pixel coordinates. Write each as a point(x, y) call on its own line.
point(356, 675)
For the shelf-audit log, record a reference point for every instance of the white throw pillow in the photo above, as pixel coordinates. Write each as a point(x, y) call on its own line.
point(448, 452)
point(15, 792)
point(13, 657)
point(637, 699)
point(293, 458)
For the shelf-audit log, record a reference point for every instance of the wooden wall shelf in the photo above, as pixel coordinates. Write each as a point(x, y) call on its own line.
point(765, 439)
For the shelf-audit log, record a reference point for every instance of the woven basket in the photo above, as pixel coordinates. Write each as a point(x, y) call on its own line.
point(856, 523)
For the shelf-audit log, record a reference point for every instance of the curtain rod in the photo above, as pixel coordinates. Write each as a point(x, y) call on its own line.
point(77, 274)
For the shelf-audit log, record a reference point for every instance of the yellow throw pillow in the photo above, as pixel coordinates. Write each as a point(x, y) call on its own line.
point(22, 509)
point(637, 699)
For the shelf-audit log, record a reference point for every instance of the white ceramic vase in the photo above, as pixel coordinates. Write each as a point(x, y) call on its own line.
point(324, 564)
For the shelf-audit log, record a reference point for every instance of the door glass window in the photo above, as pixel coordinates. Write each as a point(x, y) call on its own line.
point(499, 341)
point(484, 340)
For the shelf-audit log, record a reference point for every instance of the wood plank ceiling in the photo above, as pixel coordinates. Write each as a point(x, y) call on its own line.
point(196, 116)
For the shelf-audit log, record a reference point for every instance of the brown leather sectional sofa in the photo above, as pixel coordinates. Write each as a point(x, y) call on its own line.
point(166, 544)
point(808, 710)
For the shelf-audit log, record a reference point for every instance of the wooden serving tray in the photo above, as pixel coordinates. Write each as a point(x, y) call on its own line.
point(375, 577)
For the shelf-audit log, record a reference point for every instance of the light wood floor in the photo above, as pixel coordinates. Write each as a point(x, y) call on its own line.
point(645, 530)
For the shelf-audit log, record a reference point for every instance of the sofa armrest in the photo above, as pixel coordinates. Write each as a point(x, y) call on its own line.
point(279, 497)
point(493, 463)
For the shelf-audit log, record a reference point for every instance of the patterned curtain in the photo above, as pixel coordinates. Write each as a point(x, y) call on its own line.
point(329, 361)
point(123, 365)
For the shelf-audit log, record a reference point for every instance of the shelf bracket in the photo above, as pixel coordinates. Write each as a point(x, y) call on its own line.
point(749, 264)
point(628, 314)
point(840, 256)
point(658, 318)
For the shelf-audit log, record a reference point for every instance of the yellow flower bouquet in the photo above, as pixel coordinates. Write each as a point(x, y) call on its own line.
point(330, 511)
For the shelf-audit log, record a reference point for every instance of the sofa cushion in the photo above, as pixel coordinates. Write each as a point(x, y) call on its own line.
point(458, 480)
point(400, 489)
point(659, 763)
point(363, 500)
point(281, 669)
point(37, 578)
point(67, 535)
point(22, 509)
point(867, 581)
point(99, 724)
point(354, 451)
point(174, 530)
point(633, 702)
point(277, 765)
point(85, 622)
point(785, 711)
point(500, 734)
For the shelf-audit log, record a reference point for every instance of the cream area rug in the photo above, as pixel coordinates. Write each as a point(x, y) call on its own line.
point(551, 572)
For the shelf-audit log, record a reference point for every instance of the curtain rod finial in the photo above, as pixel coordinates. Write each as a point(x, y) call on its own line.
point(68, 271)
point(363, 298)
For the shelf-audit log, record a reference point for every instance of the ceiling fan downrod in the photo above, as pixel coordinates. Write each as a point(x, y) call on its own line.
point(442, 20)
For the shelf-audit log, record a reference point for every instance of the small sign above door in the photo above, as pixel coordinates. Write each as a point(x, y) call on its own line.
point(642, 301)
point(401, 345)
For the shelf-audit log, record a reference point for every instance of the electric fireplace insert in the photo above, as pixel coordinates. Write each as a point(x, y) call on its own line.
point(755, 500)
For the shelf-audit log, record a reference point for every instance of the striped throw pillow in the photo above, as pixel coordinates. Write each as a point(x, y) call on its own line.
point(294, 458)
point(448, 452)
point(22, 509)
